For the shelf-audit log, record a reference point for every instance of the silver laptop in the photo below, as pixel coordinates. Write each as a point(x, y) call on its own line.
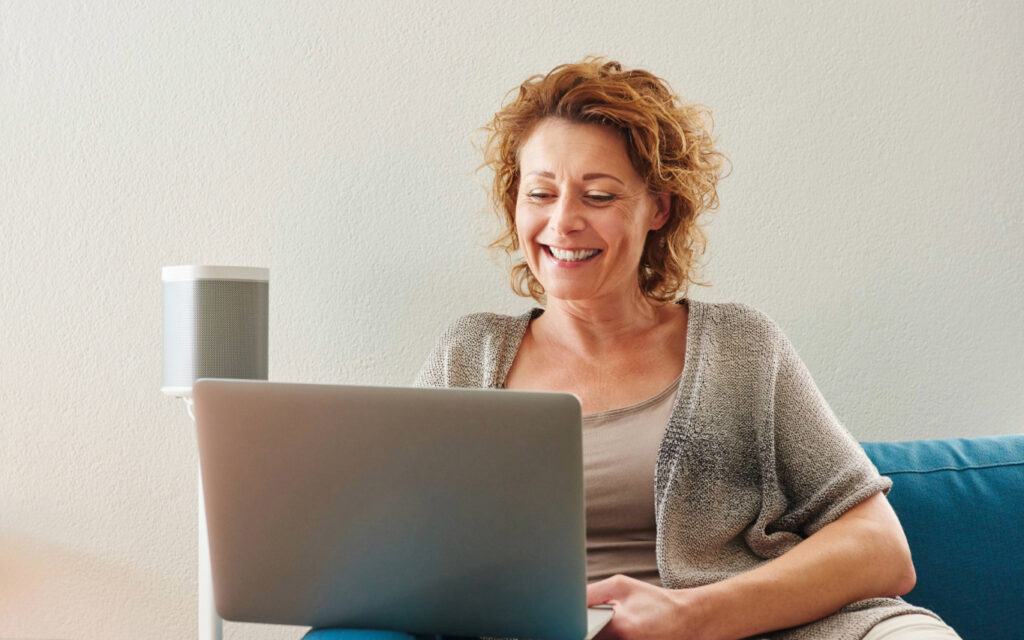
point(430, 511)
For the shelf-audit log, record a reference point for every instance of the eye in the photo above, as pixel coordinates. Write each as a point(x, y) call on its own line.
point(599, 196)
point(539, 194)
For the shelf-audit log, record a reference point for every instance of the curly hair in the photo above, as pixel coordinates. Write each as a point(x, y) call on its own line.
point(669, 145)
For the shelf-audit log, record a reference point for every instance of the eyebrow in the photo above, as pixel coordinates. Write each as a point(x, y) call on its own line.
point(586, 176)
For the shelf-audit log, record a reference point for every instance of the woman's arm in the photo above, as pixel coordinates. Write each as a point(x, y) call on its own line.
point(862, 554)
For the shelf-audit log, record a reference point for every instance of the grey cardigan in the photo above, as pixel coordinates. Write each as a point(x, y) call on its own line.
point(753, 460)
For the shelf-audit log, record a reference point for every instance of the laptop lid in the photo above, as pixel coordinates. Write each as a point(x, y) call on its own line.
point(444, 511)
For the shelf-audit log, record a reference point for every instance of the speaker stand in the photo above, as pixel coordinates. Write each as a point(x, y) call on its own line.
point(211, 627)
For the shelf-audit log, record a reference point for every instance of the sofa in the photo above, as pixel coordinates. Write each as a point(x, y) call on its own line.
point(961, 503)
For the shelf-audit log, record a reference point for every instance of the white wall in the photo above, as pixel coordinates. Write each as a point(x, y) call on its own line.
point(874, 210)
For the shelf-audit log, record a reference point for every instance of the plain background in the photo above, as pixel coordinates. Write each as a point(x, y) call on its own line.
point(874, 211)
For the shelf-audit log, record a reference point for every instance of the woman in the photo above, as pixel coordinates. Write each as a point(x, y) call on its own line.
point(766, 515)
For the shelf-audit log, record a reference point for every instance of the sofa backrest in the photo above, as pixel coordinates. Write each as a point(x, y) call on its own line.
point(961, 503)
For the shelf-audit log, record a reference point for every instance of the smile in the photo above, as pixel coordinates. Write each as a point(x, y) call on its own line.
point(569, 255)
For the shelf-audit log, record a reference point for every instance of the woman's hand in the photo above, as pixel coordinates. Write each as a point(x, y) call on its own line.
point(643, 610)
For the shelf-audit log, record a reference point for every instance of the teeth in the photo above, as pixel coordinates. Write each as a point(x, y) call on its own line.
point(573, 256)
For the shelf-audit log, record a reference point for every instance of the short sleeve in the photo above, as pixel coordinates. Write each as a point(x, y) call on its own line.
point(474, 351)
point(436, 371)
point(821, 471)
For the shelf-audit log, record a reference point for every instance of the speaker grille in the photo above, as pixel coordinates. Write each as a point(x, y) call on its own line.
point(214, 329)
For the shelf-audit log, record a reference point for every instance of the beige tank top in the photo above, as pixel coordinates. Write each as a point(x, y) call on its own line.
point(619, 450)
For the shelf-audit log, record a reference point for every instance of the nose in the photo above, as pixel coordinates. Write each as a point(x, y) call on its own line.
point(566, 217)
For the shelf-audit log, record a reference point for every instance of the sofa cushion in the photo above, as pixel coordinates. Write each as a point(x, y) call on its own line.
point(961, 504)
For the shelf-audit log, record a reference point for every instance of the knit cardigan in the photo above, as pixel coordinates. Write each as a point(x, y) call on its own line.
point(752, 461)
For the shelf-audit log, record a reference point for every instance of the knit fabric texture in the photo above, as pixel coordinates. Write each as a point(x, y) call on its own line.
point(753, 460)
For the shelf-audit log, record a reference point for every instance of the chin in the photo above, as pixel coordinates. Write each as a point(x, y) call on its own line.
point(567, 294)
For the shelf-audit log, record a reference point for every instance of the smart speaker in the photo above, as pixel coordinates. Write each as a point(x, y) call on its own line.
point(215, 324)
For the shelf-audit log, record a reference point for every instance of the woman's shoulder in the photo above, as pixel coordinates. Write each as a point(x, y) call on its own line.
point(734, 316)
point(735, 327)
point(485, 325)
point(475, 350)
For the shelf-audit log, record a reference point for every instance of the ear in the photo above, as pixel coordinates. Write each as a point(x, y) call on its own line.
point(662, 202)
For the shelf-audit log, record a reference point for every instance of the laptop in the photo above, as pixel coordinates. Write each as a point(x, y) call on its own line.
point(430, 511)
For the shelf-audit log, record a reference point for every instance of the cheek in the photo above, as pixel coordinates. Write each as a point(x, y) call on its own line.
point(617, 230)
point(526, 227)
point(522, 238)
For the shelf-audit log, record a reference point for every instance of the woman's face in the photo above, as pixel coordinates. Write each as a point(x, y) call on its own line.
point(582, 211)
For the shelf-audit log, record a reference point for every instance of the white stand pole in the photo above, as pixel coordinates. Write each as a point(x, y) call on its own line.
point(210, 624)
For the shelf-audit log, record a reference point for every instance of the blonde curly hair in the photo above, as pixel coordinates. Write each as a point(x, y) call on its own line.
point(669, 145)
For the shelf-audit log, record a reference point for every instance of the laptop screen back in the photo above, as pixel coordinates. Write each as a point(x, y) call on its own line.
point(446, 511)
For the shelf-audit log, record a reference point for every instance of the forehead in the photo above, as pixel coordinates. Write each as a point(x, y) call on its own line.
point(558, 145)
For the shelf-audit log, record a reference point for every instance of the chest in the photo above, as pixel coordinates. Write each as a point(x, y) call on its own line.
point(605, 382)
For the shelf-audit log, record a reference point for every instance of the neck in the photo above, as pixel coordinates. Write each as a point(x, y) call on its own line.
point(592, 326)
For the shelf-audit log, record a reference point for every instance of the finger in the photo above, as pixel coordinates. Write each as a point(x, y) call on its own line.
point(608, 591)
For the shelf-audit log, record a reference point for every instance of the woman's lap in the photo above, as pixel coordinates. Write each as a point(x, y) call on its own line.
point(355, 634)
point(911, 626)
point(905, 627)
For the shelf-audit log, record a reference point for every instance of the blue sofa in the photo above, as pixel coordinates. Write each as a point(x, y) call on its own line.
point(961, 503)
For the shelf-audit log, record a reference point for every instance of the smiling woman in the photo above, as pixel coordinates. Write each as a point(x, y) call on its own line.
point(766, 515)
point(724, 499)
point(582, 211)
point(582, 218)
point(668, 147)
